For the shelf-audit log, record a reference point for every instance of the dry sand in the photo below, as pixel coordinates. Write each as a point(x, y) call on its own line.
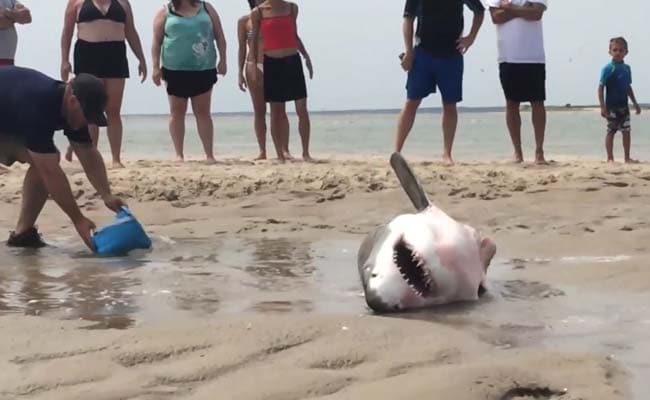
point(566, 319)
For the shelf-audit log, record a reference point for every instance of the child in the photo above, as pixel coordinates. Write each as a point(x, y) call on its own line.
point(616, 77)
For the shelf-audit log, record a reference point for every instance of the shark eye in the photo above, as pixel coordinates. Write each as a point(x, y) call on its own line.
point(412, 268)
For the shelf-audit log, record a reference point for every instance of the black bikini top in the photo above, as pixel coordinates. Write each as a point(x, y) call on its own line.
point(90, 12)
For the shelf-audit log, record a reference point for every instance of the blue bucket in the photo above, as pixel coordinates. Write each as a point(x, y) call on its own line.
point(121, 236)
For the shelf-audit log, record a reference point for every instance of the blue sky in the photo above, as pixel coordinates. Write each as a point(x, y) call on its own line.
point(354, 46)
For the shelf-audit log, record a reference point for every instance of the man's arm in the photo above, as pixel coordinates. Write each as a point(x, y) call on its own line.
point(47, 165)
point(500, 16)
point(93, 164)
point(529, 11)
point(21, 14)
point(5, 21)
point(407, 33)
point(477, 8)
point(17, 15)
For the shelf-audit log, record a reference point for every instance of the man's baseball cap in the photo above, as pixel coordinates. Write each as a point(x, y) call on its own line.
point(91, 93)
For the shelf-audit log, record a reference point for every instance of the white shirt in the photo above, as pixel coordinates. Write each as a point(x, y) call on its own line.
point(520, 41)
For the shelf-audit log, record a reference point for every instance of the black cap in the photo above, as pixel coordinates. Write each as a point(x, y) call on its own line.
point(91, 93)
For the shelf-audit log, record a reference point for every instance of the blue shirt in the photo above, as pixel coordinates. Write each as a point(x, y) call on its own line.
point(617, 80)
point(30, 109)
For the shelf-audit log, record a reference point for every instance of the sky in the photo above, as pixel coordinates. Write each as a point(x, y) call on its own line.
point(354, 46)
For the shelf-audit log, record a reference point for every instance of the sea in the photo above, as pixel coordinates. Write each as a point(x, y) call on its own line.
point(481, 136)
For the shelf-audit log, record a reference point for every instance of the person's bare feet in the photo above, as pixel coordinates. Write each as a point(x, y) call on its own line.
point(261, 156)
point(447, 161)
point(631, 161)
point(179, 159)
point(117, 165)
point(539, 158)
point(287, 155)
point(210, 161)
point(518, 158)
point(610, 160)
point(308, 158)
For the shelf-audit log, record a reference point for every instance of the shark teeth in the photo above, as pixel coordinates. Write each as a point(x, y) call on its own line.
point(411, 266)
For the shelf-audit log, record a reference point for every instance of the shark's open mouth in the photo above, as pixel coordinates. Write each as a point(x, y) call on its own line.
point(412, 267)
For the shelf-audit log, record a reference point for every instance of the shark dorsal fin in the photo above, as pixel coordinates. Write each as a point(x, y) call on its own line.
point(409, 182)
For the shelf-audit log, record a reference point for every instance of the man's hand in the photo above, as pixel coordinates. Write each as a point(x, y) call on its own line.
point(85, 227)
point(8, 14)
point(463, 44)
point(114, 203)
point(407, 60)
point(637, 107)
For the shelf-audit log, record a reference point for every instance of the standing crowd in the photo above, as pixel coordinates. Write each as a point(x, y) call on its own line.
point(189, 54)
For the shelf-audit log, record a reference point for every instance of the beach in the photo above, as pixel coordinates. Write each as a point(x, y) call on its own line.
point(251, 290)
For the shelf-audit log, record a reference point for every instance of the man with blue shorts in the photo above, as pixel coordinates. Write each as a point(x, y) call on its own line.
point(436, 61)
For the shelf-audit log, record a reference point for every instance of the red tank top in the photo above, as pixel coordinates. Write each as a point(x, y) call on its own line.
point(279, 32)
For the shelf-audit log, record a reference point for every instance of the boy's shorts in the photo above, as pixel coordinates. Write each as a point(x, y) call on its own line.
point(618, 119)
point(428, 72)
point(523, 82)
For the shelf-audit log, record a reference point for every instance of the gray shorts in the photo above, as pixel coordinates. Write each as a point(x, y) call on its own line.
point(10, 148)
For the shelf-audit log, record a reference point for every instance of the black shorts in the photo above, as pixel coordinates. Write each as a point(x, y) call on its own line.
point(284, 79)
point(102, 59)
point(9, 149)
point(188, 84)
point(618, 119)
point(523, 82)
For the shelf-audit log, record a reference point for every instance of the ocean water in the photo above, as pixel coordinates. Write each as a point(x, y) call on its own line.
point(481, 136)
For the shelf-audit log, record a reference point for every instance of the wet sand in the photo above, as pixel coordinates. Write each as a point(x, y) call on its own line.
point(253, 279)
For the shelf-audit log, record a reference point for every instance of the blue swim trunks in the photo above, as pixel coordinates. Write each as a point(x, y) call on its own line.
point(428, 72)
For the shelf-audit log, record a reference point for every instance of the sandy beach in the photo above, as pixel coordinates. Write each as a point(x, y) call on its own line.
point(251, 291)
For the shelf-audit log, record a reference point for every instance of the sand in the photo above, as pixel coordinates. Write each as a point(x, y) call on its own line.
point(566, 317)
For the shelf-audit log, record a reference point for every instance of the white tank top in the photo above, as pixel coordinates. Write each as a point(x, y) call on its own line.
point(8, 37)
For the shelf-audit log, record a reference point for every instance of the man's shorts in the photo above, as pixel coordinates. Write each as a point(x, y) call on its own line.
point(429, 72)
point(618, 119)
point(9, 149)
point(523, 82)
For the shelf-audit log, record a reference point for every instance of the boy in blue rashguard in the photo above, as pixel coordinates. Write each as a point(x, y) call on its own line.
point(613, 92)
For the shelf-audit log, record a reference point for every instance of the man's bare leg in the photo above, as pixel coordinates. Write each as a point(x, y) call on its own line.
point(34, 198)
point(539, 125)
point(405, 122)
point(513, 121)
point(449, 125)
